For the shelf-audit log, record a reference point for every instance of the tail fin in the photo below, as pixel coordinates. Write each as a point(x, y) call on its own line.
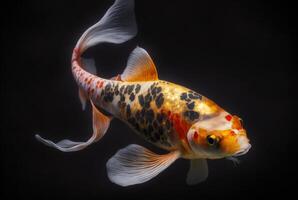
point(117, 26)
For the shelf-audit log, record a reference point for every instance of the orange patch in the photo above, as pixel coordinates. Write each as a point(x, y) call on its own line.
point(236, 123)
point(180, 125)
point(201, 140)
point(229, 144)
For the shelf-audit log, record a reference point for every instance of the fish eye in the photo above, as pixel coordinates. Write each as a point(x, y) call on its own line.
point(212, 140)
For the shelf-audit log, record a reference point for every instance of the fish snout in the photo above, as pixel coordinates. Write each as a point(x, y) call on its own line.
point(244, 145)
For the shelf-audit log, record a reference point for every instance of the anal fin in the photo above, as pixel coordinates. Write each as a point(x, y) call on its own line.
point(136, 164)
point(100, 126)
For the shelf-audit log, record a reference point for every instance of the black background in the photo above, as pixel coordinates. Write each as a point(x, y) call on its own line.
point(239, 54)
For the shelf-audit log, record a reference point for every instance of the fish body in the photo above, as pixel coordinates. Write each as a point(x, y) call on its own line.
point(172, 117)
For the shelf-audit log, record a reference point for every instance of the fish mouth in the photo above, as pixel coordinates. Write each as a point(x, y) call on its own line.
point(242, 151)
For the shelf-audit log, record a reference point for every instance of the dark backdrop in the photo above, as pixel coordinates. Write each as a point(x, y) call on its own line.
point(239, 54)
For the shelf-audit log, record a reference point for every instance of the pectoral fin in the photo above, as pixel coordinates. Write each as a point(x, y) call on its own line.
point(136, 164)
point(100, 126)
point(198, 171)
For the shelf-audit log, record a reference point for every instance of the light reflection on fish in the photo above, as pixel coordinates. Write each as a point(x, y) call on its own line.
point(170, 116)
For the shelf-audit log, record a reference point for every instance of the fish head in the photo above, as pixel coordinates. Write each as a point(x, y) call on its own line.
point(218, 136)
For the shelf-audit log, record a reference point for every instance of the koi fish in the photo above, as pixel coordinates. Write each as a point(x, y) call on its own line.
point(172, 117)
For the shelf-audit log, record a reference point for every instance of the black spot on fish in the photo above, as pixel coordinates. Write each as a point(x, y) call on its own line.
point(130, 89)
point(159, 100)
point(192, 115)
point(108, 97)
point(128, 111)
point(158, 90)
point(149, 115)
point(141, 100)
point(183, 96)
point(147, 100)
point(132, 97)
point(193, 96)
point(122, 88)
point(122, 97)
point(191, 105)
point(155, 91)
point(108, 87)
point(137, 89)
point(153, 86)
point(160, 117)
point(197, 95)
point(116, 90)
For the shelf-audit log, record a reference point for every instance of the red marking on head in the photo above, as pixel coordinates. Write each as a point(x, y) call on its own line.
point(229, 117)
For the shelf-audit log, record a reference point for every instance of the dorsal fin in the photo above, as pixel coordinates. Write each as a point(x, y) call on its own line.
point(140, 67)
